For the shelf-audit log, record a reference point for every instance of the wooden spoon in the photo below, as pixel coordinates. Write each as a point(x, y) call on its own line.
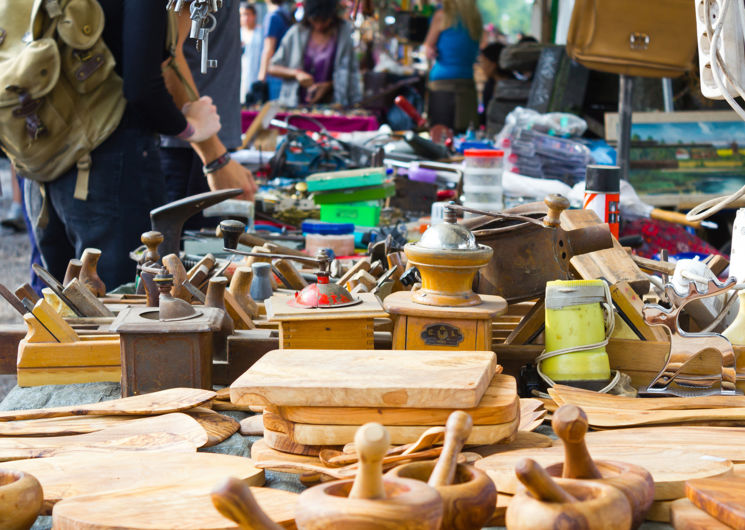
point(234, 500)
point(428, 438)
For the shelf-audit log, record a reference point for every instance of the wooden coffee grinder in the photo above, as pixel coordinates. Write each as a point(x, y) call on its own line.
point(445, 313)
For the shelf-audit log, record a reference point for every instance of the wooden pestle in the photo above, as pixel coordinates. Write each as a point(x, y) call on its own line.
point(539, 483)
point(372, 441)
point(88, 273)
point(176, 269)
point(240, 288)
point(570, 424)
point(234, 500)
point(74, 267)
point(151, 240)
point(457, 430)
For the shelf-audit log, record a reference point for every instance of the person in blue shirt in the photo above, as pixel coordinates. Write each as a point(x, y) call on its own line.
point(453, 43)
point(275, 27)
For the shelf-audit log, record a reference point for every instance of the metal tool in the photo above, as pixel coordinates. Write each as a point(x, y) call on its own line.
point(322, 294)
point(203, 22)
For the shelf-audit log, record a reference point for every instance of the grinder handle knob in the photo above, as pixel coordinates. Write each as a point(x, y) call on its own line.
point(556, 204)
point(231, 231)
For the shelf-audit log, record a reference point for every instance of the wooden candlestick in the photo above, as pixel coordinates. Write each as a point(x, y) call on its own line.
point(570, 424)
point(578, 504)
point(151, 240)
point(234, 500)
point(176, 269)
point(457, 429)
point(371, 441)
point(88, 273)
point(74, 266)
point(240, 288)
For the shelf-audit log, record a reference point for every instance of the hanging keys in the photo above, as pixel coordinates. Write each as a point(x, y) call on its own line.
point(204, 36)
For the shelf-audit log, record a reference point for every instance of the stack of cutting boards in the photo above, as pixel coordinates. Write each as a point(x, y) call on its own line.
point(314, 400)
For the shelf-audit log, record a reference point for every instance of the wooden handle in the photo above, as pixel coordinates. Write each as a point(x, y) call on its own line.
point(234, 500)
point(539, 483)
point(151, 240)
point(673, 217)
point(291, 274)
point(556, 204)
point(206, 264)
point(241, 281)
point(570, 424)
point(252, 240)
point(89, 273)
point(74, 266)
point(216, 292)
point(371, 441)
point(176, 269)
point(26, 291)
point(457, 430)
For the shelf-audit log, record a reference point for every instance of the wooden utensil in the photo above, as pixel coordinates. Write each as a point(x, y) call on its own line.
point(369, 501)
point(669, 467)
point(571, 504)
point(161, 402)
point(252, 426)
point(722, 498)
point(234, 500)
point(468, 495)
point(429, 438)
point(170, 432)
point(570, 425)
point(218, 426)
point(367, 378)
point(586, 398)
point(185, 506)
point(89, 274)
point(499, 404)
point(20, 500)
point(61, 426)
point(615, 418)
point(686, 516)
point(83, 473)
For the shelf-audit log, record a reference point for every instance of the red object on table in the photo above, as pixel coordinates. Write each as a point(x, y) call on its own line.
point(406, 106)
point(334, 123)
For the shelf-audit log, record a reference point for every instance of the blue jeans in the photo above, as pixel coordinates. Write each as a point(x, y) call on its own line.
point(125, 183)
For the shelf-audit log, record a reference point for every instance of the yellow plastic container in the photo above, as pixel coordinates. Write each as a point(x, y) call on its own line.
point(735, 332)
point(574, 318)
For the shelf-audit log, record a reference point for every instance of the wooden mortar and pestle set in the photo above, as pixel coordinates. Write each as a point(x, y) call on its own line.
point(587, 493)
point(399, 500)
point(21, 500)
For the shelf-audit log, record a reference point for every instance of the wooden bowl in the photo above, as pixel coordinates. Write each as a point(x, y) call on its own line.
point(468, 503)
point(409, 505)
point(633, 481)
point(598, 506)
point(21, 498)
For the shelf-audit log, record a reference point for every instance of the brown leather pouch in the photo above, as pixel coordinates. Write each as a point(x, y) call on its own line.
point(649, 38)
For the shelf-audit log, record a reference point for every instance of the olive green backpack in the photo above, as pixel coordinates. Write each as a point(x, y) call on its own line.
point(59, 95)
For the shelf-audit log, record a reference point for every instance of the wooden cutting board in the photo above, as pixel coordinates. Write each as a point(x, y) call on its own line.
point(218, 426)
point(185, 507)
point(685, 516)
point(721, 442)
point(261, 452)
point(613, 418)
point(670, 467)
point(564, 395)
point(162, 402)
point(367, 378)
point(282, 442)
point(320, 435)
point(61, 426)
point(169, 432)
point(723, 498)
point(63, 477)
point(500, 404)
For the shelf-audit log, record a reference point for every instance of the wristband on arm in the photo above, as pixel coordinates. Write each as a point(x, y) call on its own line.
point(217, 164)
point(186, 133)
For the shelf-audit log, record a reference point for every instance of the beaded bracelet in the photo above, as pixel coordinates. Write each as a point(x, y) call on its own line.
point(217, 164)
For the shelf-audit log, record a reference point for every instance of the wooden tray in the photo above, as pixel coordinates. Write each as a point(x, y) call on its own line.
point(63, 477)
point(367, 378)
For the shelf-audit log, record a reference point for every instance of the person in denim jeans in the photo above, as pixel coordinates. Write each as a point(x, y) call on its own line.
point(125, 180)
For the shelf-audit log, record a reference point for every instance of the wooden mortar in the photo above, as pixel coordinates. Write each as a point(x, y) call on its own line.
point(571, 504)
point(570, 425)
point(468, 494)
point(21, 500)
point(369, 501)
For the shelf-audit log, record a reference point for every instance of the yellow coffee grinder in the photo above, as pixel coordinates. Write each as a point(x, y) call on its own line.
point(445, 313)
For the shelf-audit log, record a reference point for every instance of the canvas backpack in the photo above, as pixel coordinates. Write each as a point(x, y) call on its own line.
point(59, 94)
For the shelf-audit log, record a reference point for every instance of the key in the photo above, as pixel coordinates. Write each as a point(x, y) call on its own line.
point(197, 13)
point(204, 36)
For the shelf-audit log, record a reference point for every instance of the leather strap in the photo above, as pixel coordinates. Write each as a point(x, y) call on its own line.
point(81, 183)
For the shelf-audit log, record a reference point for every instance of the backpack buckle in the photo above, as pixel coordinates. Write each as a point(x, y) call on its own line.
point(27, 109)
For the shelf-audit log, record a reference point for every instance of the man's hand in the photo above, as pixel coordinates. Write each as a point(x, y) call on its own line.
point(318, 91)
point(202, 114)
point(233, 175)
point(304, 78)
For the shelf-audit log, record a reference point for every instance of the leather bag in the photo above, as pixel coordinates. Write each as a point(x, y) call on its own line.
point(648, 38)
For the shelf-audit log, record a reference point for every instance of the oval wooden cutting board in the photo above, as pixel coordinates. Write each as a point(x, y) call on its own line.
point(669, 467)
point(185, 507)
point(63, 477)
